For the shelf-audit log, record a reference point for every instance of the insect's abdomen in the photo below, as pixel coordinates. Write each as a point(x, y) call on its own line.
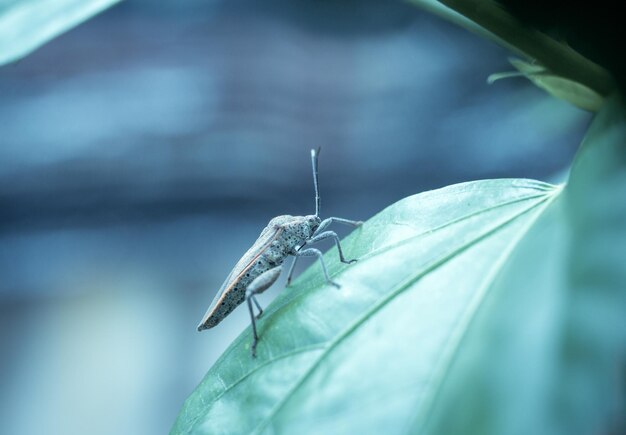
point(279, 239)
point(224, 305)
point(233, 291)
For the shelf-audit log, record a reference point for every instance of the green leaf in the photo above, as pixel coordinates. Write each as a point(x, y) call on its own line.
point(545, 351)
point(489, 307)
point(25, 25)
point(559, 87)
point(524, 69)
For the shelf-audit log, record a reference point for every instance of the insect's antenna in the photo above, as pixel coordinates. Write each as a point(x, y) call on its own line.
point(314, 154)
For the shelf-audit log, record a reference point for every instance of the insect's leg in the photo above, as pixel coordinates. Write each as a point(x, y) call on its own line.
point(312, 252)
point(291, 269)
point(255, 336)
point(335, 237)
point(326, 223)
point(259, 285)
point(258, 306)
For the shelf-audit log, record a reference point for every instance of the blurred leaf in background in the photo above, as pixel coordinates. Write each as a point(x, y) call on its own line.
point(25, 25)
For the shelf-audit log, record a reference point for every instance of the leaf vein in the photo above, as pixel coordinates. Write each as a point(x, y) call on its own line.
point(207, 406)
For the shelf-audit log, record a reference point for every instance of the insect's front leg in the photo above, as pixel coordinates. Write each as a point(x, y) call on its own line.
point(326, 223)
point(335, 237)
point(257, 286)
point(320, 234)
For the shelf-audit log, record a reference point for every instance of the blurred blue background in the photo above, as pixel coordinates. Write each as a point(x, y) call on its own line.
point(143, 152)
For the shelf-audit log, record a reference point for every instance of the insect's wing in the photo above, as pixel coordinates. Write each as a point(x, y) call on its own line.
point(268, 235)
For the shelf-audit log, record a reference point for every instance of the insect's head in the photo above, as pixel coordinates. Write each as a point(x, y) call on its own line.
point(313, 221)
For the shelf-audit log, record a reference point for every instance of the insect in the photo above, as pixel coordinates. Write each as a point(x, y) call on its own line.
point(261, 265)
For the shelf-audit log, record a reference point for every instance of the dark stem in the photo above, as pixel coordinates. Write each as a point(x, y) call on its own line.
point(560, 59)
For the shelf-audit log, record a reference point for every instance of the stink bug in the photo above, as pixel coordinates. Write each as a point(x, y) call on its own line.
point(261, 266)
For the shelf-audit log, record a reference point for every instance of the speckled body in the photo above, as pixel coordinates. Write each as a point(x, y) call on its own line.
point(282, 236)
